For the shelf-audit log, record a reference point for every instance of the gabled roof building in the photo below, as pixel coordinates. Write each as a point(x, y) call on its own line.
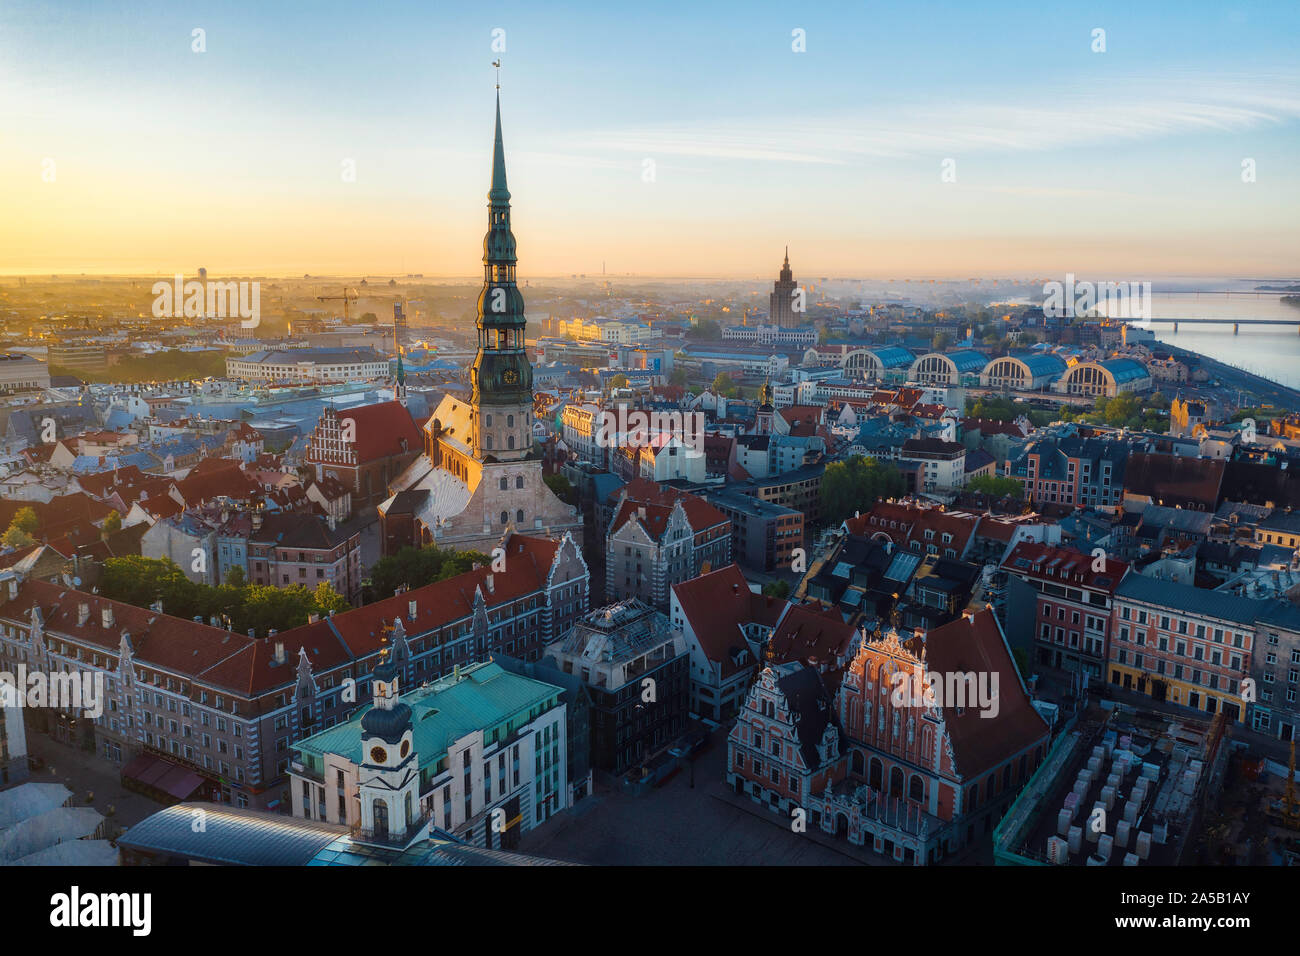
point(942, 736)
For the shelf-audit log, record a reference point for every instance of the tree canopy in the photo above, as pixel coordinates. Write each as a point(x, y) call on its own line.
point(562, 487)
point(777, 589)
point(998, 486)
point(21, 532)
point(142, 581)
point(1126, 410)
point(158, 367)
point(855, 485)
point(705, 329)
point(416, 567)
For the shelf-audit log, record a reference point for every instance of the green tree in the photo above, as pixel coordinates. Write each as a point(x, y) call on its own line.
point(678, 376)
point(327, 599)
point(562, 487)
point(723, 385)
point(705, 330)
point(940, 341)
point(777, 589)
point(240, 606)
point(618, 381)
point(416, 567)
point(113, 523)
point(142, 581)
point(268, 608)
point(25, 519)
point(16, 537)
point(995, 409)
point(856, 485)
point(997, 486)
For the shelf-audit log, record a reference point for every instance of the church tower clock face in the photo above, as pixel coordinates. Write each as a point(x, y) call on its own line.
point(378, 755)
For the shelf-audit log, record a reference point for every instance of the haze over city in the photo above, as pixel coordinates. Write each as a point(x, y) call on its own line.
point(658, 140)
point(675, 435)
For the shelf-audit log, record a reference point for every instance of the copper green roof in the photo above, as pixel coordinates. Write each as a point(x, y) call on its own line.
point(499, 190)
point(483, 697)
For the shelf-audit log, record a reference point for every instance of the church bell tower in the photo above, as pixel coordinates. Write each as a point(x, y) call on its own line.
point(502, 376)
point(388, 776)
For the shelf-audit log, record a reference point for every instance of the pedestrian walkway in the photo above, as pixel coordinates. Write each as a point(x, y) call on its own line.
point(93, 781)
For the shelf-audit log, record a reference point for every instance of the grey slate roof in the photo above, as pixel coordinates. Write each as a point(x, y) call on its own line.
point(1186, 599)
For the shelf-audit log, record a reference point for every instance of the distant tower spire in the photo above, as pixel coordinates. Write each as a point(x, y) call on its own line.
point(400, 388)
point(781, 301)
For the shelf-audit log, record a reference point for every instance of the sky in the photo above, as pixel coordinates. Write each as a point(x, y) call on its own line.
point(657, 139)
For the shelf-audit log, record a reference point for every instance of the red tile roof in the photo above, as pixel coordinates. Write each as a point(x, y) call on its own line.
point(981, 742)
point(903, 523)
point(213, 478)
point(654, 518)
point(158, 640)
point(699, 512)
point(74, 516)
point(380, 430)
point(246, 665)
point(127, 485)
point(718, 605)
point(816, 636)
point(803, 419)
point(989, 426)
point(1065, 565)
point(934, 412)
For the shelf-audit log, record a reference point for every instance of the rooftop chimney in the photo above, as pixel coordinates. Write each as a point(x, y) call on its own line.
point(412, 608)
point(490, 584)
point(106, 615)
point(279, 652)
point(83, 614)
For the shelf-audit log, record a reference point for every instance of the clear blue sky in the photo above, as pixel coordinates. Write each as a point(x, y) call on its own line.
point(1065, 159)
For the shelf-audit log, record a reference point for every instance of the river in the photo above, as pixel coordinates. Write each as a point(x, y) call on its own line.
point(1271, 351)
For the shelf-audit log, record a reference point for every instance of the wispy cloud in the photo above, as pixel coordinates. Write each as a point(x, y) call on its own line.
point(1136, 109)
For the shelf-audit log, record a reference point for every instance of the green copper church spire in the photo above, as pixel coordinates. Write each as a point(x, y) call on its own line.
point(501, 373)
point(499, 192)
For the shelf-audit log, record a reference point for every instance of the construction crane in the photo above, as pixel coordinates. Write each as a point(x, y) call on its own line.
point(1287, 814)
point(348, 296)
